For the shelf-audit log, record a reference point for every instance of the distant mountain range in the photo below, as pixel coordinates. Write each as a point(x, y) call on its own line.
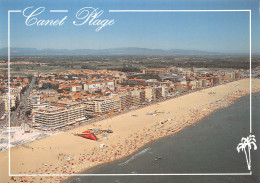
point(126, 51)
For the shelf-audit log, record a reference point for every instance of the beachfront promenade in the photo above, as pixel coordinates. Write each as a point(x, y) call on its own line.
point(64, 153)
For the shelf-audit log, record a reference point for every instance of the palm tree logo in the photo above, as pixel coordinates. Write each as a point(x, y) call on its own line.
point(246, 146)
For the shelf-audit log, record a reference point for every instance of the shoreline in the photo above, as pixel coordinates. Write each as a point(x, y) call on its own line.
point(175, 132)
point(148, 132)
point(89, 170)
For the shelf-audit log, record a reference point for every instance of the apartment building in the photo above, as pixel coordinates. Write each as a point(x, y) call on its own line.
point(33, 100)
point(199, 84)
point(216, 80)
point(93, 86)
point(4, 98)
point(181, 88)
point(158, 93)
point(76, 88)
point(149, 93)
point(155, 93)
point(229, 75)
point(192, 85)
point(55, 117)
point(165, 91)
point(204, 82)
point(103, 105)
point(139, 95)
point(156, 71)
point(238, 74)
point(126, 101)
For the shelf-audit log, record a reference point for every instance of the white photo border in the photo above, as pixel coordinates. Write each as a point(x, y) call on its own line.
point(128, 11)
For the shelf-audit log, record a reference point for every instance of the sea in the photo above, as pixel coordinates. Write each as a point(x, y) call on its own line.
point(207, 147)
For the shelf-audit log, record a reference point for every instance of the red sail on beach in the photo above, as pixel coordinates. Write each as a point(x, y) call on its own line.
point(88, 135)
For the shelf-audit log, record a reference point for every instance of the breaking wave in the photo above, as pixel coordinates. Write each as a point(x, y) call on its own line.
point(136, 155)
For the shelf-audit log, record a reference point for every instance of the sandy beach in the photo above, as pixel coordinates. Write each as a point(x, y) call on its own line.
point(67, 154)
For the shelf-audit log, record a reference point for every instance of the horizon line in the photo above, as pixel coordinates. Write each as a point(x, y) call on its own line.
point(125, 47)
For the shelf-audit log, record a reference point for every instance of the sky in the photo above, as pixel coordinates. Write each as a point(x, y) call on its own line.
point(225, 32)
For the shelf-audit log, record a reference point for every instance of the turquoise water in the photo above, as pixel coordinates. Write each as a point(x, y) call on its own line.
point(207, 147)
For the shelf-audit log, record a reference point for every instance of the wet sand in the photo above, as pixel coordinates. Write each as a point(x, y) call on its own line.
point(68, 154)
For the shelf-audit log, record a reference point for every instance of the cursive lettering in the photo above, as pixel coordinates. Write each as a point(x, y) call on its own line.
point(31, 18)
point(85, 16)
point(90, 15)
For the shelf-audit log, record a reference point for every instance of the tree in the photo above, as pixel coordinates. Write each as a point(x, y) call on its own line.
point(61, 97)
point(2, 90)
point(89, 116)
point(60, 90)
point(246, 145)
point(13, 108)
point(130, 69)
point(50, 86)
point(30, 76)
point(23, 89)
point(99, 92)
point(84, 67)
point(28, 113)
point(17, 102)
point(67, 89)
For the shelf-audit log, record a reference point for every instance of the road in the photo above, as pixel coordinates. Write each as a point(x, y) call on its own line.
point(19, 114)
